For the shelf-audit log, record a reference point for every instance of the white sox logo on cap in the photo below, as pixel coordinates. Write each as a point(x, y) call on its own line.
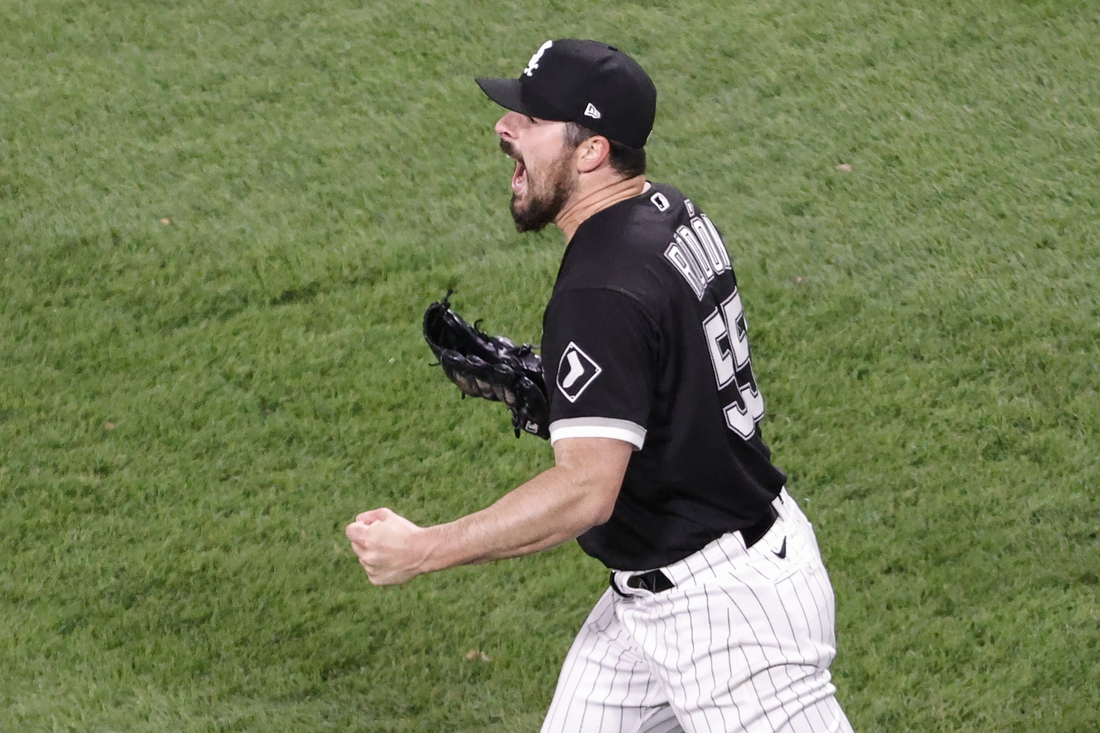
point(534, 62)
point(576, 371)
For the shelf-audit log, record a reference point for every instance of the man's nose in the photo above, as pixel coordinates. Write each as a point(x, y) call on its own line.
point(505, 126)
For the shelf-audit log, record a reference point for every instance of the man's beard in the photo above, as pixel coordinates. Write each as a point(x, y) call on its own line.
point(543, 207)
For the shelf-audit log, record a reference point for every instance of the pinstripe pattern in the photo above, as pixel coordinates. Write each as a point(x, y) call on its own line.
point(743, 642)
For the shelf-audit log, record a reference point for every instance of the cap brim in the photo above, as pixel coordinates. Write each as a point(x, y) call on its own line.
point(505, 92)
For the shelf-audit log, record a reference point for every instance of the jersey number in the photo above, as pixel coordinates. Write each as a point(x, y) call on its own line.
point(728, 343)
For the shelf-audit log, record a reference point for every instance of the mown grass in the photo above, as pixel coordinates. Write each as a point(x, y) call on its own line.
point(190, 411)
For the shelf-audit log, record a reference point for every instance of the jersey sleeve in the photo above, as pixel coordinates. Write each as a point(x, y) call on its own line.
point(599, 356)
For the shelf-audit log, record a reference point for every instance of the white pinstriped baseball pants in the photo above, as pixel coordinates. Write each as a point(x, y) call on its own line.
point(743, 642)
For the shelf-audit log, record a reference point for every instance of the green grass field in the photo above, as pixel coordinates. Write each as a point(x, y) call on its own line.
point(220, 223)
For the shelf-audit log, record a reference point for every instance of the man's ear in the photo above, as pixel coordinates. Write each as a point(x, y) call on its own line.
point(592, 153)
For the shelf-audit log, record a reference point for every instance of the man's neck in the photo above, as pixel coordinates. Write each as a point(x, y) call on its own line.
point(587, 204)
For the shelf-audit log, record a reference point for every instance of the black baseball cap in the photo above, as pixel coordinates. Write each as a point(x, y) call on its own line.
point(590, 83)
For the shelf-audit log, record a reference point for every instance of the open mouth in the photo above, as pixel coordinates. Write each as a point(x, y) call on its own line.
point(519, 178)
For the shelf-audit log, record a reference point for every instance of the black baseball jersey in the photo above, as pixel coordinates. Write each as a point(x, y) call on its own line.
point(644, 340)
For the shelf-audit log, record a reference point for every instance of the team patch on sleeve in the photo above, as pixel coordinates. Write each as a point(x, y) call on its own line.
point(576, 371)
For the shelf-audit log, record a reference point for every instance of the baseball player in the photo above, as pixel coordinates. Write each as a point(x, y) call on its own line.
point(719, 615)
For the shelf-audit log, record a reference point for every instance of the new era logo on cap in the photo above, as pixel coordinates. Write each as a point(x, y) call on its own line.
point(591, 111)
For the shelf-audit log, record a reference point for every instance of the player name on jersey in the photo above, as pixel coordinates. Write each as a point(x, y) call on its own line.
point(697, 252)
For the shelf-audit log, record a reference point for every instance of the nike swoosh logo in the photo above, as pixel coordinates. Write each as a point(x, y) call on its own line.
point(576, 370)
point(782, 550)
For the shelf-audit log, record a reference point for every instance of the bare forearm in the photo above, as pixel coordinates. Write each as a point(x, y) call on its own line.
point(547, 511)
point(557, 505)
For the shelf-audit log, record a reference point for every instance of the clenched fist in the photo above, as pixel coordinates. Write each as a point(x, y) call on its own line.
point(390, 548)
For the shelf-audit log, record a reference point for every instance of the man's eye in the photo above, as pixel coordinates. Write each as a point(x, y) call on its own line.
point(532, 120)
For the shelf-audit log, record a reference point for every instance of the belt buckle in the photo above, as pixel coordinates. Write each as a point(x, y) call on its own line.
point(653, 581)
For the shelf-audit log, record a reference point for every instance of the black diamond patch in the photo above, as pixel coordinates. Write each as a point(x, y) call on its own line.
point(576, 371)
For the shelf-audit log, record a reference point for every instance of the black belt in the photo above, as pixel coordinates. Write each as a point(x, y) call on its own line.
point(655, 581)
